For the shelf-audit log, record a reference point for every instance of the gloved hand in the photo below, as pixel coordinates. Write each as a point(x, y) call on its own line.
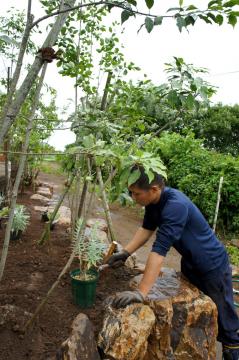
point(125, 298)
point(118, 259)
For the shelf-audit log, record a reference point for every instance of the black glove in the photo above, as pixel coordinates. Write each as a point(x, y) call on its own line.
point(125, 298)
point(118, 259)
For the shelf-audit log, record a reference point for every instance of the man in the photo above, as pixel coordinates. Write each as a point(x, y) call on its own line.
point(180, 224)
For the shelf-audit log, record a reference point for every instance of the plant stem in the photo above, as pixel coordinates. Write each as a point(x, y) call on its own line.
point(106, 90)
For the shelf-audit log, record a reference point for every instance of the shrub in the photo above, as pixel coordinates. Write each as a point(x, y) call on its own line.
point(197, 171)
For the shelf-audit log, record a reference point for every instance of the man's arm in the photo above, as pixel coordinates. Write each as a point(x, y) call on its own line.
point(140, 238)
point(152, 270)
point(151, 273)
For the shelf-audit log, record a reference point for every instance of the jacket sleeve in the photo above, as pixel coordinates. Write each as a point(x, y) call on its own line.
point(174, 218)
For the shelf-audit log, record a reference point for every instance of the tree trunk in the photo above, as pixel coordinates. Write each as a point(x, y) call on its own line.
point(19, 173)
point(7, 120)
point(12, 86)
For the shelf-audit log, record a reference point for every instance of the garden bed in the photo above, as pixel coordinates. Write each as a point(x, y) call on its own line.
point(30, 271)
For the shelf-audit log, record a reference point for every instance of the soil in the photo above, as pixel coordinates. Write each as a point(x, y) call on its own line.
point(29, 273)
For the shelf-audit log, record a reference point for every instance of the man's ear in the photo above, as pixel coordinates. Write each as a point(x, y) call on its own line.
point(155, 188)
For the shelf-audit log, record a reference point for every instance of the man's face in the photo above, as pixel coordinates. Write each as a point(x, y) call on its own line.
point(145, 197)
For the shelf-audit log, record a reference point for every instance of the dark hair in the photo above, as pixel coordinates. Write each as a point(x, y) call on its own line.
point(143, 181)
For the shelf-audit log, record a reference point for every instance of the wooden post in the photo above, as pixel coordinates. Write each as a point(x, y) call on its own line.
point(218, 203)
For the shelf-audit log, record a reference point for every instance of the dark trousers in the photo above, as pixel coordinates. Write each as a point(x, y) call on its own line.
point(217, 285)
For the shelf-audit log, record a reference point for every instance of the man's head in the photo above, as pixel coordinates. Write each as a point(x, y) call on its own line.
point(143, 192)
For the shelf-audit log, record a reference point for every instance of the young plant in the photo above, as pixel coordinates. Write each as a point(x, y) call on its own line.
point(20, 219)
point(88, 248)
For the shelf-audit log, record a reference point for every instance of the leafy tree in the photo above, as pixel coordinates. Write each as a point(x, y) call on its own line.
point(196, 171)
point(218, 126)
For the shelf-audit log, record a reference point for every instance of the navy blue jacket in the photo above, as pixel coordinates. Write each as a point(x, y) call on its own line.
point(181, 225)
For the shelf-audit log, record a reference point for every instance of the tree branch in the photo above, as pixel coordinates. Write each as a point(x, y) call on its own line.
point(106, 3)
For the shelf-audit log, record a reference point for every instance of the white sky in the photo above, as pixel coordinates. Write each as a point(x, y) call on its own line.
point(210, 46)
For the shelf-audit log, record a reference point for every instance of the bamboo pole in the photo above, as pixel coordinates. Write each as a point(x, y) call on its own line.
point(46, 233)
point(66, 267)
point(19, 174)
point(218, 203)
point(105, 204)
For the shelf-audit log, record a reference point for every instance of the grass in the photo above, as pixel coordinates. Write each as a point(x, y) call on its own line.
point(233, 252)
point(51, 167)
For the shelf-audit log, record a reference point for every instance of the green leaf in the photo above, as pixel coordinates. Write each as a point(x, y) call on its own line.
point(191, 7)
point(150, 176)
point(174, 9)
point(212, 16)
point(158, 20)
point(173, 98)
point(205, 18)
point(149, 3)
point(190, 102)
point(132, 2)
point(219, 19)
point(8, 40)
point(180, 3)
point(124, 176)
point(134, 176)
point(181, 23)
point(213, 2)
point(232, 20)
point(231, 3)
point(149, 24)
point(125, 15)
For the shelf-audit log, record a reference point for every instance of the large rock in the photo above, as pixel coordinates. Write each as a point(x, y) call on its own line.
point(44, 191)
point(81, 343)
point(185, 327)
point(64, 215)
point(41, 209)
point(101, 224)
point(186, 320)
point(99, 234)
point(39, 197)
point(125, 332)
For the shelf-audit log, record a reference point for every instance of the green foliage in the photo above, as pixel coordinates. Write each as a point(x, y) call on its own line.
point(197, 171)
point(20, 218)
point(11, 30)
point(51, 167)
point(218, 126)
point(216, 12)
point(88, 248)
point(233, 252)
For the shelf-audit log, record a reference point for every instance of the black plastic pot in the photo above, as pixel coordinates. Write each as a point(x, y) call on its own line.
point(15, 235)
point(45, 217)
